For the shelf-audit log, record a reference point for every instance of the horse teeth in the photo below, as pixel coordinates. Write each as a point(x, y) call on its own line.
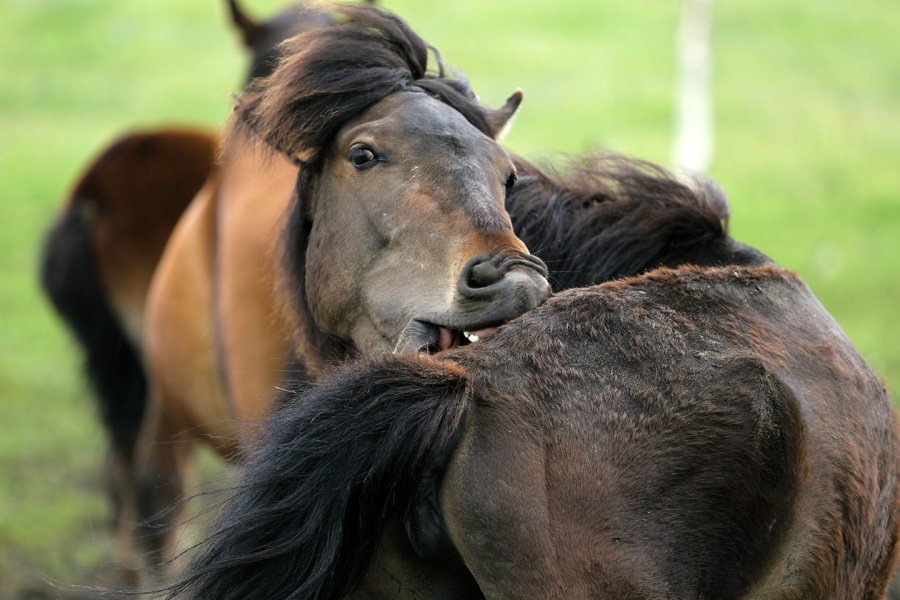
point(471, 337)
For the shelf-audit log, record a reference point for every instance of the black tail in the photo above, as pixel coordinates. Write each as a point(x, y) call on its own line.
point(69, 277)
point(338, 464)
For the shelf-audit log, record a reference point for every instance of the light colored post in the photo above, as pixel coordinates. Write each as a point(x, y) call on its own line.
point(693, 147)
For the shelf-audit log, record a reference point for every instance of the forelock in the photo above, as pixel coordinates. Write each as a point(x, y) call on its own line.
point(329, 75)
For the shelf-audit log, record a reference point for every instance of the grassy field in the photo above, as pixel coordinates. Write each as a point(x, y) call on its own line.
point(807, 101)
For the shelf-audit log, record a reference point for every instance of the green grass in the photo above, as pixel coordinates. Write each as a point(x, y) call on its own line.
point(807, 101)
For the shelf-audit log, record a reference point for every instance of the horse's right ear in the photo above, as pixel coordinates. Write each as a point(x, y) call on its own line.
point(501, 118)
point(250, 31)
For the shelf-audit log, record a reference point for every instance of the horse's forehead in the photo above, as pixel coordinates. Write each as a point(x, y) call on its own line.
point(419, 119)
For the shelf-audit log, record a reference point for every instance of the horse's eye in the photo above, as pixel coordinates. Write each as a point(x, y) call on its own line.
point(510, 184)
point(361, 156)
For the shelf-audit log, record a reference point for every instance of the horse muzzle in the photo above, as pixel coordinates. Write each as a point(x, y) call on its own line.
point(490, 291)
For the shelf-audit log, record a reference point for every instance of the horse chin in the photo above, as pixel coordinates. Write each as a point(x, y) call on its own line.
point(422, 336)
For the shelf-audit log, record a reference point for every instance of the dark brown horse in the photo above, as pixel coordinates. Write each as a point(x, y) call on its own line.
point(263, 38)
point(689, 433)
point(101, 253)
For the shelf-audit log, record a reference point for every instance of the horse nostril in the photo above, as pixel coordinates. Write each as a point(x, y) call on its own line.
point(482, 275)
point(485, 272)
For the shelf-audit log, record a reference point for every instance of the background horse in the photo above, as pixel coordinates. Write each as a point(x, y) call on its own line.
point(101, 253)
point(689, 433)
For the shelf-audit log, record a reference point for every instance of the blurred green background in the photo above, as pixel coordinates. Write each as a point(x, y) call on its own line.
point(807, 134)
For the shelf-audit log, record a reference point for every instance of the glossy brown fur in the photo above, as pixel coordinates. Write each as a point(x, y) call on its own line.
point(133, 210)
point(690, 433)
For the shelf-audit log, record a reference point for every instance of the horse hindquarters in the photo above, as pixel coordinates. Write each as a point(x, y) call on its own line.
point(98, 260)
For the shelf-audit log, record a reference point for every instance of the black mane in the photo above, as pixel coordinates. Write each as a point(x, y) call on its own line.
point(285, 532)
point(609, 216)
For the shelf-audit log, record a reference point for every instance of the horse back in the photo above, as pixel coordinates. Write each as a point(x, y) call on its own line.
point(691, 432)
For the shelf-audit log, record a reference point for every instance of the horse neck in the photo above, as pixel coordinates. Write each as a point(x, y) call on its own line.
point(616, 218)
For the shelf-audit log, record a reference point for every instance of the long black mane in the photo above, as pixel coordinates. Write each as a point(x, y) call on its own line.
point(608, 216)
point(285, 531)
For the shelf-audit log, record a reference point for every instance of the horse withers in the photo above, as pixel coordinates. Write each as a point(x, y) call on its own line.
point(688, 433)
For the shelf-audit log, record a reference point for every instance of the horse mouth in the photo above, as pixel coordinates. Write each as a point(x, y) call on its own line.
point(451, 338)
point(424, 337)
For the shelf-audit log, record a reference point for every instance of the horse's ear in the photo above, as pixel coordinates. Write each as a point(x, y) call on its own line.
point(501, 118)
point(249, 29)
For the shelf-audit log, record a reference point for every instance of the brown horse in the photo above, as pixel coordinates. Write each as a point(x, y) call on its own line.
point(103, 249)
point(689, 433)
point(395, 238)
point(412, 261)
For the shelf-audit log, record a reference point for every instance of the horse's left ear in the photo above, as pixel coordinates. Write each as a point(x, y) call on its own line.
point(501, 118)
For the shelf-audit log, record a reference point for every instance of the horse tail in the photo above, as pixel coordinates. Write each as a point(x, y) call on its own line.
point(338, 464)
point(70, 279)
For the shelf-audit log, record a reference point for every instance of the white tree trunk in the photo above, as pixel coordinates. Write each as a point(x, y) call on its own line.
point(693, 147)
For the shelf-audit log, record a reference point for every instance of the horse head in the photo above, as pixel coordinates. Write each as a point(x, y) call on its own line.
point(397, 239)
